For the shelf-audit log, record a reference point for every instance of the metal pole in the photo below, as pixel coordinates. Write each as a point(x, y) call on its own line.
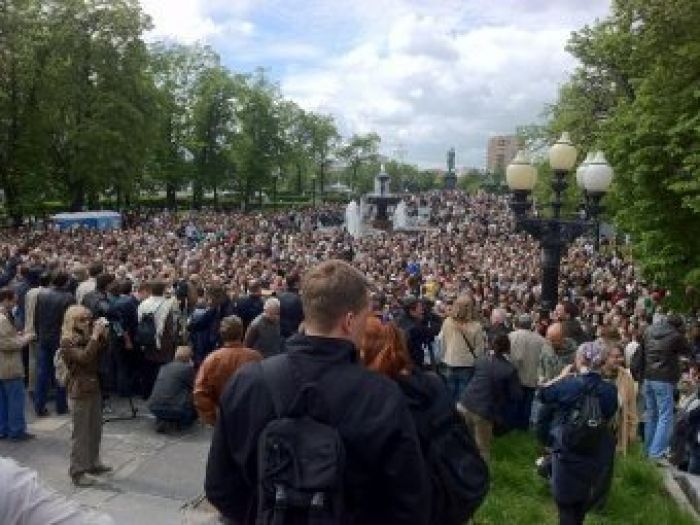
point(274, 194)
point(551, 260)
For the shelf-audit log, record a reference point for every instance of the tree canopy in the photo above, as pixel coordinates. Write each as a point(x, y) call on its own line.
point(636, 96)
point(88, 110)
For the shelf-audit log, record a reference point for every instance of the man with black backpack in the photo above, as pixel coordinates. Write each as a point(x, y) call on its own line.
point(311, 436)
point(156, 333)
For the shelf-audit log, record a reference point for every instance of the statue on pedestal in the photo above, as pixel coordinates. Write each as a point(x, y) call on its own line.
point(451, 176)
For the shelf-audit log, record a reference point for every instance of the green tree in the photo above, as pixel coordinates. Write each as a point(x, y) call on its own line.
point(324, 138)
point(359, 150)
point(176, 70)
point(96, 96)
point(636, 95)
point(215, 96)
point(22, 58)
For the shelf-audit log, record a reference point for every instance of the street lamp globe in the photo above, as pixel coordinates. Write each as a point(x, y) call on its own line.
point(521, 175)
point(581, 171)
point(599, 175)
point(562, 154)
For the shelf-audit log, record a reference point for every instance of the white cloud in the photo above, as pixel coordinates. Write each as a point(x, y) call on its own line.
point(183, 20)
point(427, 75)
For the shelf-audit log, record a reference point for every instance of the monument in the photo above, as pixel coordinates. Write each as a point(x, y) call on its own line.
point(373, 212)
point(381, 199)
point(451, 176)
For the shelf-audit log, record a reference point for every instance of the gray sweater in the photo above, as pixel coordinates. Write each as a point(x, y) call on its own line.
point(264, 336)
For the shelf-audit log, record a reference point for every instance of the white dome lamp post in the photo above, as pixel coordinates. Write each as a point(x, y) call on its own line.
point(554, 233)
point(596, 183)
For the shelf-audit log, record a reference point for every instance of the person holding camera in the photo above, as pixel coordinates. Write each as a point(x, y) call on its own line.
point(82, 343)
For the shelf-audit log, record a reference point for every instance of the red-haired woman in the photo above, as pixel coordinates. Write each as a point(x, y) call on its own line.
point(442, 433)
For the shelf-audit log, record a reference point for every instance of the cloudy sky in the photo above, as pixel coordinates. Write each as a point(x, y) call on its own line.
point(424, 74)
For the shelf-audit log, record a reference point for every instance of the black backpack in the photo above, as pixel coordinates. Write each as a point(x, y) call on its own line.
point(459, 476)
point(584, 426)
point(638, 363)
point(301, 459)
point(147, 332)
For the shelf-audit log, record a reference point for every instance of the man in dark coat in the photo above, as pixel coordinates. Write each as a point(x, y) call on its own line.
point(172, 399)
point(494, 386)
point(385, 480)
point(291, 309)
point(250, 306)
point(128, 360)
point(205, 321)
point(411, 323)
point(662, 345)
point(50, 307)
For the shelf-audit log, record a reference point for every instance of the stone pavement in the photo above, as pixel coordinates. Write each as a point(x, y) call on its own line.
point(157, 479)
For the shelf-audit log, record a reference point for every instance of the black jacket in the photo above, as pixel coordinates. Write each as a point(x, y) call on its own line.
point(663, 344)
point(417, 336)
point(495, 383)
point(172, 390)
point(248, 308)
point(291, 313)
point(48, 316)
point(385, 477)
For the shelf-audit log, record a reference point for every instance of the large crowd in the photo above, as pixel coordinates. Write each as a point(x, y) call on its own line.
point(175, 306)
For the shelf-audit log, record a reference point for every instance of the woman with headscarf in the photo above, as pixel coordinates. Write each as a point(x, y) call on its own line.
point(578, 473)
point(82, 343)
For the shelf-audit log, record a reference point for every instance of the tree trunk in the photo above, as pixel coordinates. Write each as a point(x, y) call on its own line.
point(77, 196)
point(197, 191)
point(14, 210)
point(170, 196)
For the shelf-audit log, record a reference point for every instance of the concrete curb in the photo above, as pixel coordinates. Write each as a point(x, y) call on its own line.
point(681, 490)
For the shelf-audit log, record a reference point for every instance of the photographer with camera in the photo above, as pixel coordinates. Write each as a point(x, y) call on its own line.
point(82, 343)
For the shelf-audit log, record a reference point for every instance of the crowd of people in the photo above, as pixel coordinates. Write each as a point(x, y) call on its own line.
point(208, 315)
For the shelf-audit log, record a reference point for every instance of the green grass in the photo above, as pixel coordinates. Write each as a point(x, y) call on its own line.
point(519, 496)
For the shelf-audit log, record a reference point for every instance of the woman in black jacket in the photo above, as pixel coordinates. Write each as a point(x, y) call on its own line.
point(494, 386)
point(459, 477)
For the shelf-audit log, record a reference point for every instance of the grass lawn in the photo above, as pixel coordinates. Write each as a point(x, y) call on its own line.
point(519, 496)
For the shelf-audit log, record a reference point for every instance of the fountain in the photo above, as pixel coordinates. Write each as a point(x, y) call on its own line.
point(353, 219)
point(382, 199)
point(400, 218)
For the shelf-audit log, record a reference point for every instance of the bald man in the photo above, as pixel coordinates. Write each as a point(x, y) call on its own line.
point(557, 353)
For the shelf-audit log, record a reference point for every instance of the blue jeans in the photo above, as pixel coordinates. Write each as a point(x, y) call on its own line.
point(658, 396)
point(457, 378)
point(12, 422)
point(45, 378)
point(518, 414)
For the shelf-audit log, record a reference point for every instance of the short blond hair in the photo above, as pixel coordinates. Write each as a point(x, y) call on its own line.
point(330, 290)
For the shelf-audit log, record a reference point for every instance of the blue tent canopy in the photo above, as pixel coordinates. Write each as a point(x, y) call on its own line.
point(100, 220)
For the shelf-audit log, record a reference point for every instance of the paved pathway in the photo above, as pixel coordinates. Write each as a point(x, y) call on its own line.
point(157, 479)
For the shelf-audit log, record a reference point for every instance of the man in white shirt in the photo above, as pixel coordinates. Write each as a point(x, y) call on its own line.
point(165, 314)
point(88, 286)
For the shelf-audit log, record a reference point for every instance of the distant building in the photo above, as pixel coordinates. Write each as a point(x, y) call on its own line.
point(501, 150)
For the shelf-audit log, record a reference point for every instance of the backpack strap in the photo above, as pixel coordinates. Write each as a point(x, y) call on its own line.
point(277, 376)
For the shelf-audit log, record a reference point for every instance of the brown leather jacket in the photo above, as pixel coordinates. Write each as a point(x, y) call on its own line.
point(213, 375)
point(83, 362)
